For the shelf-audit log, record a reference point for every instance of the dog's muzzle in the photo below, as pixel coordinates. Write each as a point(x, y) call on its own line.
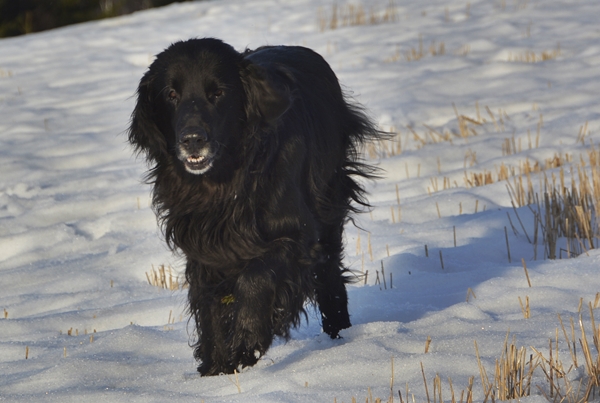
point(194, 151)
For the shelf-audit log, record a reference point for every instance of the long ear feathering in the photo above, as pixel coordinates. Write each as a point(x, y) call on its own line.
point(264, 99)
point(144, 133)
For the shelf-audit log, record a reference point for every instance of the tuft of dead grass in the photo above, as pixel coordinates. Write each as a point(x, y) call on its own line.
point(513, 373)
point(415, 54)
point(530, 56)
point(519, 370)
point(570, 213)
point(355, 14)
point(165, 277)
point(562, 386)
point(416, 138)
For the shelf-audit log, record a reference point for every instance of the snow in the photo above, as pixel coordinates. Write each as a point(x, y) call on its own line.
point(77, 235)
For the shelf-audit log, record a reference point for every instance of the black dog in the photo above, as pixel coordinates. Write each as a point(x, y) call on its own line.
point(252, 157)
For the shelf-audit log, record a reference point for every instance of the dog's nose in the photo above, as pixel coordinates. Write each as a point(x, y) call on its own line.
point(194, 139)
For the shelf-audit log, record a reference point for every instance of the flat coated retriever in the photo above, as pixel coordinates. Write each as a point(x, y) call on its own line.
point(252, 157)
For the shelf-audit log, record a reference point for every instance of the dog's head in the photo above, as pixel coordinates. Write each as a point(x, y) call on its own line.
point(197, 103)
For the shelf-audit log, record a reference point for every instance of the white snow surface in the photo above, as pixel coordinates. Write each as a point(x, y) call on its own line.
point(77, 235)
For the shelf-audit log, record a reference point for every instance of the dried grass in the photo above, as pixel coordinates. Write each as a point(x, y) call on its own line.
point(355, 14)
point(415, 138)
point(562, 212)
point(530, 56)
point(514, 370)
point(415, 54)
point(513, 373)
point(523, 193)
point(165, 277)
point(561, 386)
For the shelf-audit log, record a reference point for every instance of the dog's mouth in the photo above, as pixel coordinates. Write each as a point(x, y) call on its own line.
point(198, 164)
point(195, 152)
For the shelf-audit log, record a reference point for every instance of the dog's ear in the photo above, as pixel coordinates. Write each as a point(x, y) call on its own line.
point(267, 96)
point(144, 133)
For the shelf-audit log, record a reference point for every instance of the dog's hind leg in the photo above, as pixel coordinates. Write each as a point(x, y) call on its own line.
point(331, 294)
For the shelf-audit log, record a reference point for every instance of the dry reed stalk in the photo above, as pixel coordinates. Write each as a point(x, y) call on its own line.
point(470, 292)
point(427, 344)
point(570, 342)
point(165, 278)
point(515, 232)
point(454, 232)
point(583, 131)
point(451, 391)
point(525, 308)
point(434, 186)
point(469, 391)
point(489, 111)
point(425, 383)
point(471, 157)
point(520, 222)
point(592, 364)
point(507, 244)
point(236, 382)
point(463, 128)
point(526, 272)
point(485, 384)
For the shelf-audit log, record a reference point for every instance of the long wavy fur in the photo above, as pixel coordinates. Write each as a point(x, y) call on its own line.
point(262, 230)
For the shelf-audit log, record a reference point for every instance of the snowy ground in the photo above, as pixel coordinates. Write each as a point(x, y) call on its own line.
point(77, 236)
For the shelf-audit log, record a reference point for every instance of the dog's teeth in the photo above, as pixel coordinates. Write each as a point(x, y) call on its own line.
point(195, 160)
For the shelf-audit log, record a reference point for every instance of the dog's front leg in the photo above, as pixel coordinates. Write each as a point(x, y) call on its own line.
point(253, 296)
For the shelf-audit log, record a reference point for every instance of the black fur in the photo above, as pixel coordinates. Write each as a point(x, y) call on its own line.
point(252, 159)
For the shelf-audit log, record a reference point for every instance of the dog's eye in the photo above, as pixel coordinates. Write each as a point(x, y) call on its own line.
point(216, 94)
point(172, 96)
